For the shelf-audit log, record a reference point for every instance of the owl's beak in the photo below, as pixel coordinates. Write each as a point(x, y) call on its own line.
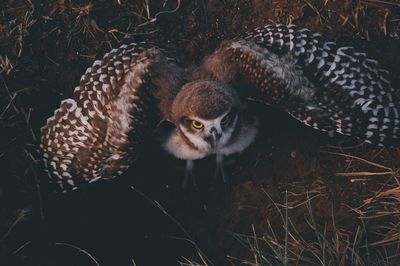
point(215, 136)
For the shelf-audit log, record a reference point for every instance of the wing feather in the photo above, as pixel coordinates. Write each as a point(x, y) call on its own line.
point(97, 134)
point(325, 86)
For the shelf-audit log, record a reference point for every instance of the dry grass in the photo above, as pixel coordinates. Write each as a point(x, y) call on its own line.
point(373, 240)
point(329, 244)
point(45, 48)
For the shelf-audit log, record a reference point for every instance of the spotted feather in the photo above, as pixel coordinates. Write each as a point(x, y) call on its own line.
point(97, 134)
point(328, 87)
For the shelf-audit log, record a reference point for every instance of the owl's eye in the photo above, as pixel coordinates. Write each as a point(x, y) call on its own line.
point(226, 120)
point(197, 124)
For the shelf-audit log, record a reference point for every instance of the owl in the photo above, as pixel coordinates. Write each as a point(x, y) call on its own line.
point(122, 98)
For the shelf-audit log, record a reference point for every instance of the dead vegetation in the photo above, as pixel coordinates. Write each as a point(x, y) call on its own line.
point(293, 199)
point(372, 239)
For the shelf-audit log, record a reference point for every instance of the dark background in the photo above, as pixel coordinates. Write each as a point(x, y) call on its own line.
point(289, 176)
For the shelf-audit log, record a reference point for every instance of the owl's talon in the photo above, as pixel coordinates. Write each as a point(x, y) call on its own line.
point(220, 168)
point(189, 174)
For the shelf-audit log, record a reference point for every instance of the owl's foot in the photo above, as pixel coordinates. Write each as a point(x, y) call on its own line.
point(220, 168)
point(189, 174)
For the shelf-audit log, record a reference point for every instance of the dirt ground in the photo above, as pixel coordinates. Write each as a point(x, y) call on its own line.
point(295, 196)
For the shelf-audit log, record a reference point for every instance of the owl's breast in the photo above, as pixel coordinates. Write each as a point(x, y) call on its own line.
point(177, 145)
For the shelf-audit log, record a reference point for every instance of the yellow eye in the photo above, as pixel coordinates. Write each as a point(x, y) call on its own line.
point(197, 124)
point(225, 120)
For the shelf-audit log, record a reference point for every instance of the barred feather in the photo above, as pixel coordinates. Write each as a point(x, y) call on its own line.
point(97, 134)
point(122, 97)
point(327, 87)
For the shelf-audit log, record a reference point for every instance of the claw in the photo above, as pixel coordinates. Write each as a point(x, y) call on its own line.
point(220, 168)
point(189, 174)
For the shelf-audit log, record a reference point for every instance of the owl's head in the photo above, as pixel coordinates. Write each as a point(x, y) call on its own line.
point(207, 113)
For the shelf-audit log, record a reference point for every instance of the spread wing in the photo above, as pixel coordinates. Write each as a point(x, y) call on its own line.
point(327, 87)
point(98, 134)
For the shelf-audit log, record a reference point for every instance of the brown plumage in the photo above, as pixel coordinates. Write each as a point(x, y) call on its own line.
point(97, 134)
point(123, 97)
point(206, 99)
